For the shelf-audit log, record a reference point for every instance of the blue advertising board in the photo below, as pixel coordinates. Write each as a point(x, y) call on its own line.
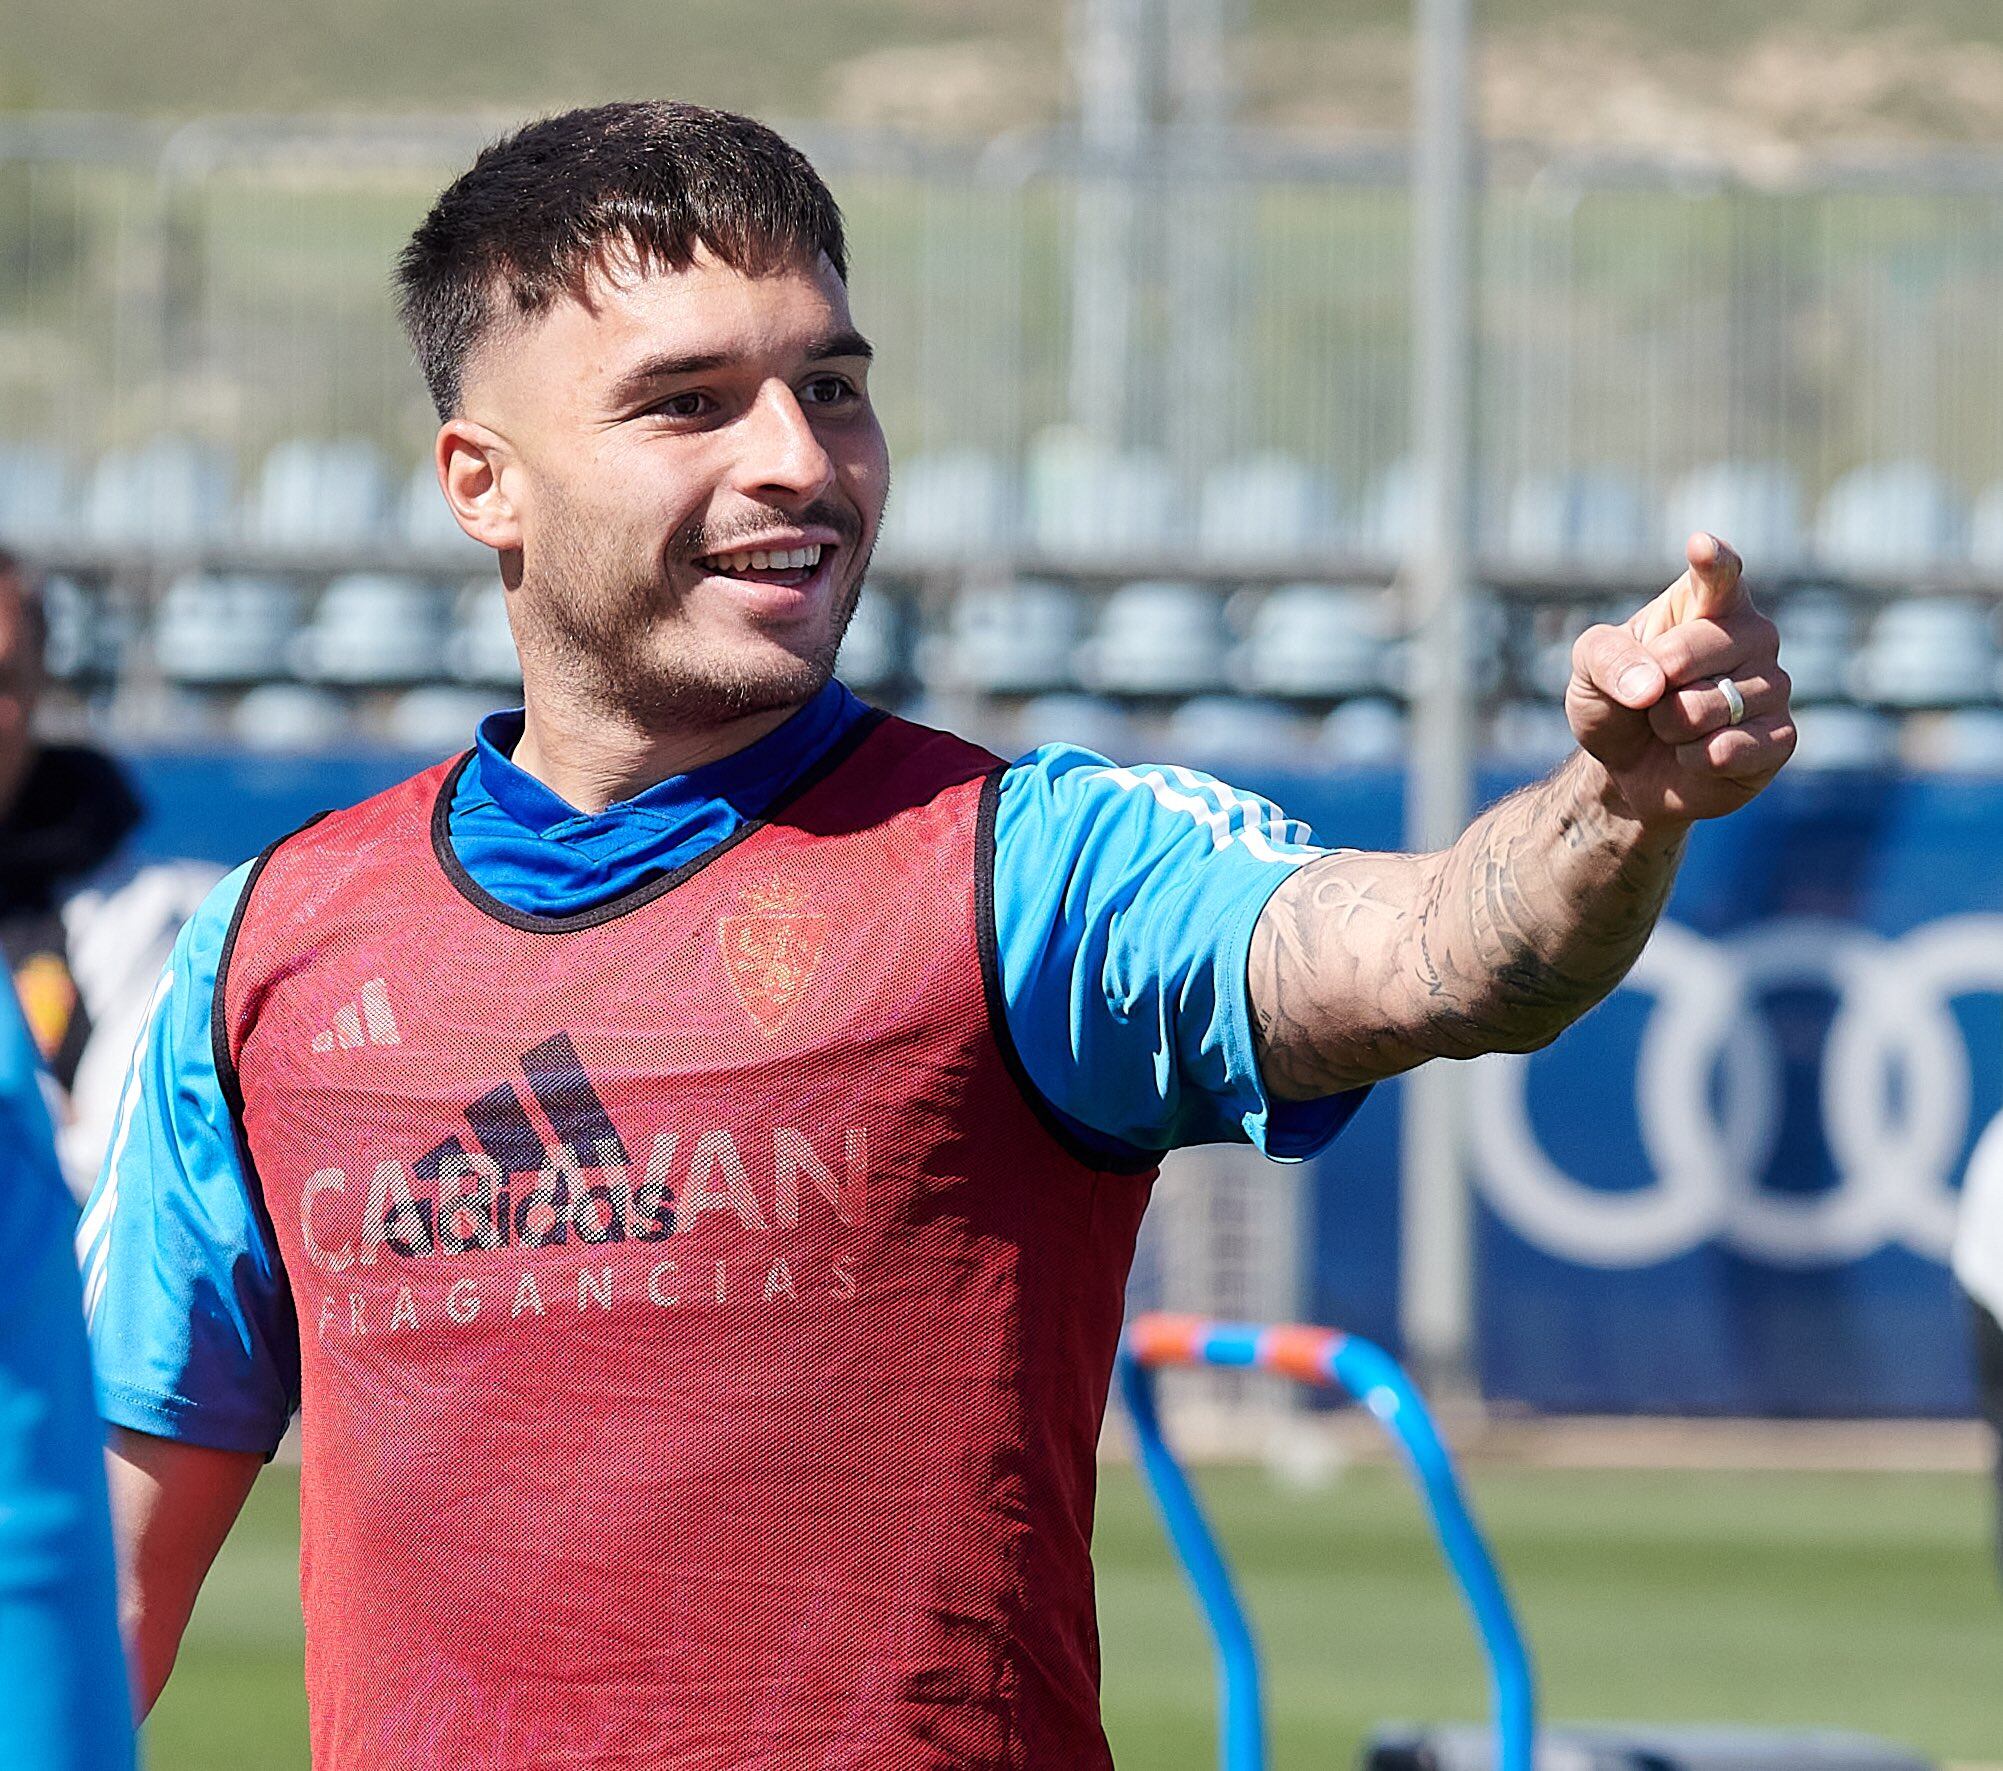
point(1729, 1190)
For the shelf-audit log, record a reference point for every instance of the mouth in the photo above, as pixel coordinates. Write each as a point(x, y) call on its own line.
point(790, 568)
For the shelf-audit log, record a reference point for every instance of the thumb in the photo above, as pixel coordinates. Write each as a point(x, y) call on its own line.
point(1615, 680)
point(1714, 576)
point(1609, 664)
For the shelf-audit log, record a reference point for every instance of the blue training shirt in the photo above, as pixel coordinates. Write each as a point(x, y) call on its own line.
point(1124, 905)
point(68, 1706)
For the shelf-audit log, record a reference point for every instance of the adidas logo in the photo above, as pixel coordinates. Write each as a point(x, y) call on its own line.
point(500, 1124)
point(367, 1023)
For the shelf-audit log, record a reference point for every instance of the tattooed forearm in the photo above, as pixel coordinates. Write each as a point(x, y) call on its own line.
point(1364, 965)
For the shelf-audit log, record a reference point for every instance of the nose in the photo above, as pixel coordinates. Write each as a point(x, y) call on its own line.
point(782, 455)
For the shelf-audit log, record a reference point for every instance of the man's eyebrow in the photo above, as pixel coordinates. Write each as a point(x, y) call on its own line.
point(671, 366)
point(846, 343)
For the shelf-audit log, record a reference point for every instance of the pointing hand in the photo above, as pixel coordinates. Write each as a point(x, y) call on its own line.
point(1647, 698)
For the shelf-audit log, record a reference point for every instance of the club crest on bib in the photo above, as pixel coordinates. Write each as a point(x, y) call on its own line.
point(771, 947)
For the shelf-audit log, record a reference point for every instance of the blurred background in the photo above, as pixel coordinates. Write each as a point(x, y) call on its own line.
point(1255, 407)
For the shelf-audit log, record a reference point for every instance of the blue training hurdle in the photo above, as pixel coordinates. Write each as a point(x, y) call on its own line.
point(1316, 1356)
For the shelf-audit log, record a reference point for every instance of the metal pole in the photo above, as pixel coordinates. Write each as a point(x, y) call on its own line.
point(1111, 41)
point(1195, 380)
point(1436, 1264)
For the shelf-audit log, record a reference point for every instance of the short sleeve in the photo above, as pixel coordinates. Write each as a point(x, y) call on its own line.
point(1124, 902)
point(191, 1324)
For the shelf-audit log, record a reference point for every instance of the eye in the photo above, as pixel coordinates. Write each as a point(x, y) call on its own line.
point(691, 404)
point(830, 390)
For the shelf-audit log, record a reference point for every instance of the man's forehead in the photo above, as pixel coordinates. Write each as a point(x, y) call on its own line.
point(623, 312)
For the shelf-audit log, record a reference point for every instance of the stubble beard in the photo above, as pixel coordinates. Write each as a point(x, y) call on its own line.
point(591, 628)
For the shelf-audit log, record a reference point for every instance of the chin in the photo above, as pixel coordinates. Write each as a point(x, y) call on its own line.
point(733, 684)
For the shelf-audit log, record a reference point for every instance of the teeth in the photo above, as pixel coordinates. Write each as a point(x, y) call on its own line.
point(766, 560)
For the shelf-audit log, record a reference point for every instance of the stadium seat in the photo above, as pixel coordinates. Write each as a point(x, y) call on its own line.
point(1928, 652)
point(872, 654)
point(87, 632)
point(169, 494)
point(1818, 643)
point(290, 717)
point(1013, 639)
point(318, 496)
point(37, 496)
point(1228, 729)
point(1892, 518)
point(1088, 502)
point(436, 721)
point(427, 526)
point(372, 629)
point(1369, 732)
point(1531, 735)
point(215, 630)
point(1407, 666)
point(1754, 505)
point(1576, 519)
point(1845, 738)
point(1263, 508)
point(1985, 532)
point(481, 646)
point(1314, 640)
point(1968, 741)
point(949, 505)
point(1157, 638)
point(1387, 523)
point(1084, 720)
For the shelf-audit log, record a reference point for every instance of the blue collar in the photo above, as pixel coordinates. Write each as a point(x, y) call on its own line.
point(747, 781)
point(539, 854)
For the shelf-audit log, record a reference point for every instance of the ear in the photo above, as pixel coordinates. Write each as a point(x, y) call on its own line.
point(470, 458)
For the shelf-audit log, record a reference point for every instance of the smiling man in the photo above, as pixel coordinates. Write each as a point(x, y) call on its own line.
point(681, 1158)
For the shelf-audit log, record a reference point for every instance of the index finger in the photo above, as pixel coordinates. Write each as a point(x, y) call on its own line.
point(1714, 575)
point(1696, 649)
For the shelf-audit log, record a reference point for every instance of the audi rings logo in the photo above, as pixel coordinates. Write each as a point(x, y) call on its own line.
point(1894, 1101)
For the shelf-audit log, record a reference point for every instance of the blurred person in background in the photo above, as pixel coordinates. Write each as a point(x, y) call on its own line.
point(681, 1158)
point(85, 930)
point(1978, 1266)
point(65, 1699)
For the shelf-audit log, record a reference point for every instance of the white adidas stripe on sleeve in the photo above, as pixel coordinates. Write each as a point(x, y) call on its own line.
point(93, 1238)
point(1231, 817)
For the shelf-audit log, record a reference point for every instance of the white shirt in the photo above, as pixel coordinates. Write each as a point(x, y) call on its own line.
point(120, 927)
point(1978, 1233)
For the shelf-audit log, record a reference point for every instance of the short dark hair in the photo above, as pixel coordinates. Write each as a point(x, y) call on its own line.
point(528, 219)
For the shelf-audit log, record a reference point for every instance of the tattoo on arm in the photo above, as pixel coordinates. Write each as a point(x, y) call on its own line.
point(1364, 965)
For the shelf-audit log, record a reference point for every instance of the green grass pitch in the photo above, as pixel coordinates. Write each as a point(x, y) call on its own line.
point(1857, 1601)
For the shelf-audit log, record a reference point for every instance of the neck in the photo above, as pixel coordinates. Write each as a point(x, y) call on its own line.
point(592, 762)
point(14, 766)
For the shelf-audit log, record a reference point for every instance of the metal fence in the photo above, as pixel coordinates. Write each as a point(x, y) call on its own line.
point(227, 283)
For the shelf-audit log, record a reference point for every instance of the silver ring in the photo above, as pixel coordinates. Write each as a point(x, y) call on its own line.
point(1735, 703)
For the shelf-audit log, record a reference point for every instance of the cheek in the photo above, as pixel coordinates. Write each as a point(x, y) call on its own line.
point(863, 461)
point(617, 509)
point(660, 495)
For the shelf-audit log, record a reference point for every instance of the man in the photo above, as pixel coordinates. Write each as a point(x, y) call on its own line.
point(682, 1159)
point(84, 929)
point(64, 1702)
